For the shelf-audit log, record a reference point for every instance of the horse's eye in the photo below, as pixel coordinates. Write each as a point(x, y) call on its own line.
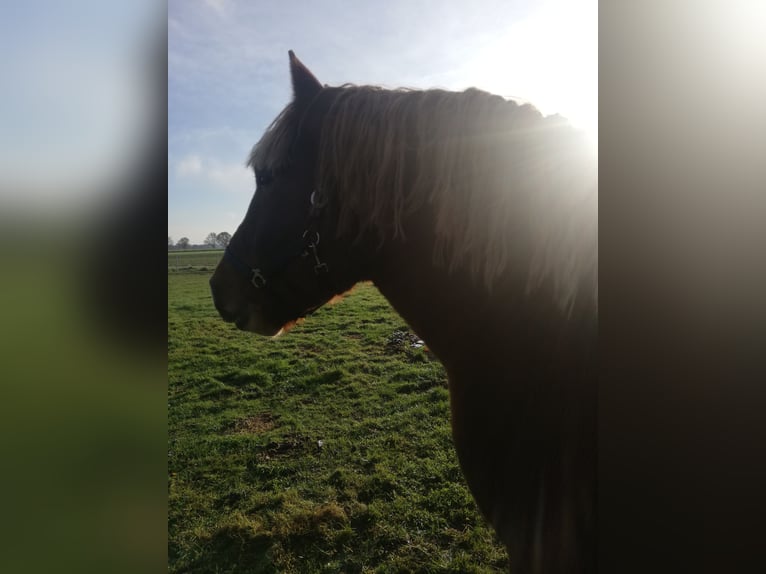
point(263, 178)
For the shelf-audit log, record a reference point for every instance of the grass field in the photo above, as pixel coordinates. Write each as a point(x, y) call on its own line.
point(205, 259)
point(252, 488)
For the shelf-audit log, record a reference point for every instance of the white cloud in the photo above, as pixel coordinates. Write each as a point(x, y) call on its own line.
point(216, 175)
point(190, 165)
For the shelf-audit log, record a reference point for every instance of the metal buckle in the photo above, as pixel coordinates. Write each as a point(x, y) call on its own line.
point(320, 266)
point(258, 280)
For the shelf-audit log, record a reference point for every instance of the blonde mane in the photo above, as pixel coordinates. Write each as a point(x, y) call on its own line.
point(508, 188)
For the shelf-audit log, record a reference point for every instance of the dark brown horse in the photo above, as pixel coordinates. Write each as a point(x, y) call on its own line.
point(476, 218)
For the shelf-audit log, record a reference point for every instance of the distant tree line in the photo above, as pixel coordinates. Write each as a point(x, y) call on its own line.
point(212, 241)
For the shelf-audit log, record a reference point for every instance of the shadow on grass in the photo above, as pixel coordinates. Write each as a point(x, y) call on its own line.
point(234, 549)
point(241, 378)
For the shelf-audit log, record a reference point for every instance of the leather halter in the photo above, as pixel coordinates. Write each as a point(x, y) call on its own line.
point(261, 276)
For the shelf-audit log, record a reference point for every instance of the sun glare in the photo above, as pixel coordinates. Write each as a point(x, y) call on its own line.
point(549, 59)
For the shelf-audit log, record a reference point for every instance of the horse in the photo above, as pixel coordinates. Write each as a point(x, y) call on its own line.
point(476, 217)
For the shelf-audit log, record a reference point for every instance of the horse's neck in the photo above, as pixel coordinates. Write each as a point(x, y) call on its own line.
point(522, 394)
point(443, 309)
point(453, 311)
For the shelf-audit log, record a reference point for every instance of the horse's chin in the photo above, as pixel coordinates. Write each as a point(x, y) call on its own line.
point(260, 326)
point(256, 324)
point(289, 325)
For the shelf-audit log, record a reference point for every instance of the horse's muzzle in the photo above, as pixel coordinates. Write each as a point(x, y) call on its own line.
point(233, 307)
point(218, 290)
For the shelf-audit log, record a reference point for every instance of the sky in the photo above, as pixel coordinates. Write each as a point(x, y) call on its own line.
point(228, 74)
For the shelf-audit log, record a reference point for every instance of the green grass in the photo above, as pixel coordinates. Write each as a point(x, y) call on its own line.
point(251, 490)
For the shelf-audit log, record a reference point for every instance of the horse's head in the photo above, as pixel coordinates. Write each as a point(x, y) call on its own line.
point(284, 261)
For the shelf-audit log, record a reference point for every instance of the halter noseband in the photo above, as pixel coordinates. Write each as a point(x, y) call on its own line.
point(310, 242)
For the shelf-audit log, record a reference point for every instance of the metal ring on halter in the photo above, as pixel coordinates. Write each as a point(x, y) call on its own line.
point(318, 201)
point(257, 279)
point(316, 237)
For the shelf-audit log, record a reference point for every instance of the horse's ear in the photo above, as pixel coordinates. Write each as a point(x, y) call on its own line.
point(305, 85)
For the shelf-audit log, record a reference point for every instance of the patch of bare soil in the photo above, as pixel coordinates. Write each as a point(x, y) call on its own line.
point(256, 424)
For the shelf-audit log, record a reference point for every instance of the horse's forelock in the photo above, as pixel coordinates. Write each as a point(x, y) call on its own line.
point(272, 151)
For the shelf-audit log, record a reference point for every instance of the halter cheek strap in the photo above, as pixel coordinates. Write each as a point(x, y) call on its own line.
point(260, 276)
